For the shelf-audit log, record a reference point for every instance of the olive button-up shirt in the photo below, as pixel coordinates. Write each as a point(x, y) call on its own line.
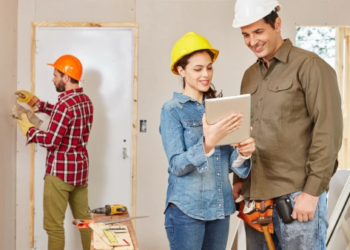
point(297, 124)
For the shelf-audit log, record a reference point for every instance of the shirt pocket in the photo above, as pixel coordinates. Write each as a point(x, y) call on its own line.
point(280, 95)
point(193, 131)
point(252, 90)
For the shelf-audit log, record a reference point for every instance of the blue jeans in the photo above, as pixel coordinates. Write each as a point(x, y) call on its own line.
point(297, 235)
point(186, 233)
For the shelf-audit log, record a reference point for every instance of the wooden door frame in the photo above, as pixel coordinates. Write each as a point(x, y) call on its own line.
point(135, 28)
point(342, 45)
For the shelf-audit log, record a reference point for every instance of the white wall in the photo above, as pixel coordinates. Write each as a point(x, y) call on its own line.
point(8, 51)
point(161, 24)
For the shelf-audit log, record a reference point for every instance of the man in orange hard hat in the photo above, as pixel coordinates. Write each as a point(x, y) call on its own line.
point(297, 125)
point(67, 161)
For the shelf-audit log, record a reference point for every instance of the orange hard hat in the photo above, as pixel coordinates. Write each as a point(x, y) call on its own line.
point(70, 65)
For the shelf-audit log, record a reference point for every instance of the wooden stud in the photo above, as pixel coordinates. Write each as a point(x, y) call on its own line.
point(346, 96)
point(84, 24)
point(339, 57)
point(135, 123)
point(343, 72)
point(347, 31)
point(325, 25)
point(32, 152)
point(339, 67)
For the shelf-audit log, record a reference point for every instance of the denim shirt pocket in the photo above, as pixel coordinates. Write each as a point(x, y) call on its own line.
point(193, 131)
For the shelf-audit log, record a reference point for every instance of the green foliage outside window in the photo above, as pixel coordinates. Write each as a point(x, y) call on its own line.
point(320, 40)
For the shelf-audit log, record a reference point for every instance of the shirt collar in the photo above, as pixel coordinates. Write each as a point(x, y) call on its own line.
point(69, 92)
point(282, 52)
point(184, 98)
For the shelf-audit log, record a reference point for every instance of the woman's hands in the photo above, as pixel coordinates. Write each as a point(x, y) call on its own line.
point(214, 133)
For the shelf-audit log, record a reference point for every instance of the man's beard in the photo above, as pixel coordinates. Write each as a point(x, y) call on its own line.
point(61, 86)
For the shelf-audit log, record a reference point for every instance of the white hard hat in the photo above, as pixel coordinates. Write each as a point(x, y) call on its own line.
point(250, 11)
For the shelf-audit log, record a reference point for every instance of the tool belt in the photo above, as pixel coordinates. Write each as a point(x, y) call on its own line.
point(250, 211)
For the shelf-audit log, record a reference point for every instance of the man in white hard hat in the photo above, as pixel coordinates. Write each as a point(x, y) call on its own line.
point(297, 125)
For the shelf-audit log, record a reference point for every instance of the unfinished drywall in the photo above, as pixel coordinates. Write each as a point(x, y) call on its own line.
point(8, 61)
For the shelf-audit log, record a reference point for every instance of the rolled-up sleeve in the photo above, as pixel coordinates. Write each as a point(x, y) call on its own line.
point(181, 161)
point(241, 171)
point(323, 102)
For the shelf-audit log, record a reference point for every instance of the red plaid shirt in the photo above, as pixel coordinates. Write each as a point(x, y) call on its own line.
point(66, 137)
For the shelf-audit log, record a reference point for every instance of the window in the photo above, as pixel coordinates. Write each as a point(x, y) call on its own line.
point(320, 40)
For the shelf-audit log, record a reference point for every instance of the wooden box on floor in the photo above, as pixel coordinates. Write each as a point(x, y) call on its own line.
point(128, 224)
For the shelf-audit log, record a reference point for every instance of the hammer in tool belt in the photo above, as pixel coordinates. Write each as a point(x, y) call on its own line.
point(258, 215)
point(264, 221)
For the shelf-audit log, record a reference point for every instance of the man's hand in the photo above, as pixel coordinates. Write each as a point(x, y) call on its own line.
point(305, 206)
point(24, 124)
point(27, 97)
point(246, 147)
point(237, 190)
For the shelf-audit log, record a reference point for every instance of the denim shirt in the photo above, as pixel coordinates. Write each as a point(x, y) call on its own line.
point(198, 185)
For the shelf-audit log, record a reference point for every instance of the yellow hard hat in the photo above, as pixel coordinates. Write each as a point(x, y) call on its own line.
point(187, 44)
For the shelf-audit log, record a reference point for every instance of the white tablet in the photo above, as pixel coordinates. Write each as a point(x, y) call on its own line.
point(218, 108)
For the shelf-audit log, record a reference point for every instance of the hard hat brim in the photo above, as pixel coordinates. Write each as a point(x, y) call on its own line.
point(53, 65)
point(215, 52)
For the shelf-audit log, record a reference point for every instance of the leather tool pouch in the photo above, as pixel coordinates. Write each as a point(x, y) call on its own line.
point(284, 208)
point(262, 209)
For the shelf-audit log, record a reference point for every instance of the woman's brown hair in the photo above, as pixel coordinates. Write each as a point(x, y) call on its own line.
point(211, 93)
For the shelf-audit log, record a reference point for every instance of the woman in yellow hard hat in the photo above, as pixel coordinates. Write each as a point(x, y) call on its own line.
point(199, 198)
